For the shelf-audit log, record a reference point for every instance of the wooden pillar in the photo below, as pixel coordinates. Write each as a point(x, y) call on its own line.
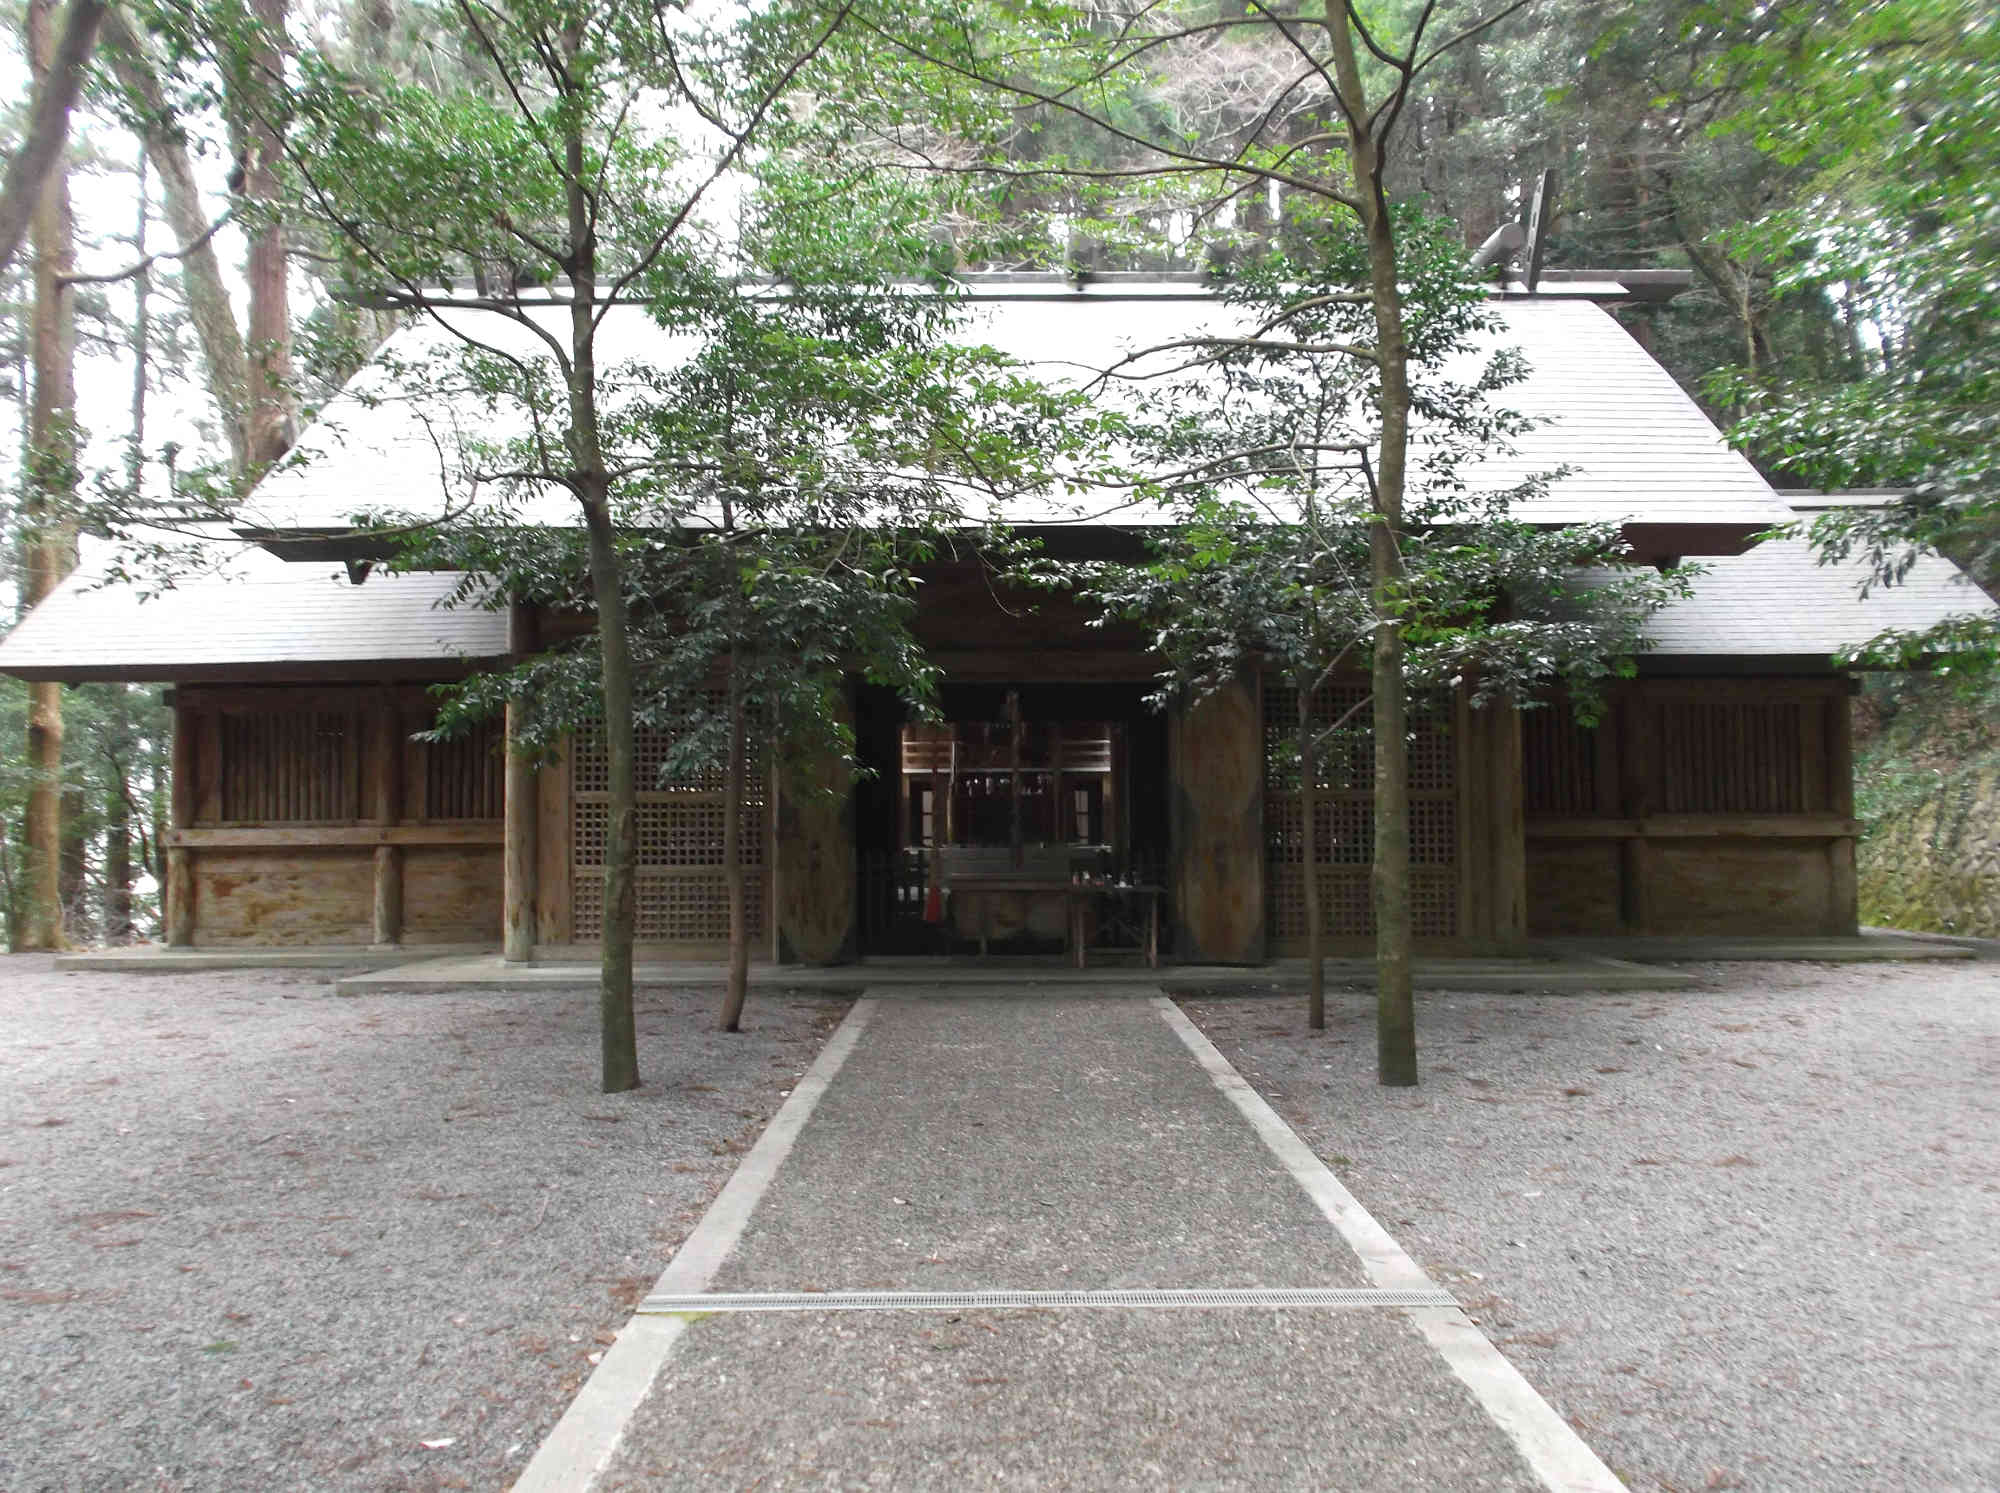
point(1636, 738)
point(1843, 913)
point(180, 860)
point(1216, 763)
point(522, 855)
point(388, 894)
point(381, 801)
point(815, 860)
point(1506, 826)
point(521, 858)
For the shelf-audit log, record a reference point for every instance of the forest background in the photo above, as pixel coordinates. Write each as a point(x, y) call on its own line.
point(1830, 174)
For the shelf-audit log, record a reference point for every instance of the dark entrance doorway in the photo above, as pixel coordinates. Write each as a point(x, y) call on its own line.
point(1037, 779)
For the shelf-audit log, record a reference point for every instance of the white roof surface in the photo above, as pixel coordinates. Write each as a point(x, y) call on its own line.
point(1775, 601)
point(256, 610)
point(1640, 450)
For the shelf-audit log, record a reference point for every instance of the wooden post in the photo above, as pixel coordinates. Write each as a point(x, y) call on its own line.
point(522, 856)
point(1216, 761)
point(180, 860)
point(1636, 731)
point(1507, 826)
point(817, 919)
point(381, 800)
point(388, 894)
point(1843, 913)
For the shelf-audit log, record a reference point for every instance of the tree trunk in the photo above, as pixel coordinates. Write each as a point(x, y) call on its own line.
point(619, 1036)
point(272, 405)
point(732, 860)
point(58, 67)
point(142, 339)
point(1395, 1029)
point(225, 365)
point(48, 540)
point(118, 858)
point(1309, 863)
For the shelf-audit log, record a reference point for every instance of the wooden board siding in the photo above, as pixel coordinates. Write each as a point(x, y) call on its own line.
point(451, 894)
point(1216, 761)
point(1717, 806)
point(308, 815)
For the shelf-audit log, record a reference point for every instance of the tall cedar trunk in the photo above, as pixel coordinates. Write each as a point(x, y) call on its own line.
point(225, 365)
point(732, 860)
point(619, 1034)
point(142, 339)
point(48, 541)
point(118, 857)
point(58, 66)
point(1309, 851)
point(1395, 1017)
point(73, 884)
point(273, 424)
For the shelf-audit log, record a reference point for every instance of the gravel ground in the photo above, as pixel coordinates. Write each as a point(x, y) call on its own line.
point(257, 1235)
point(1743, 1236)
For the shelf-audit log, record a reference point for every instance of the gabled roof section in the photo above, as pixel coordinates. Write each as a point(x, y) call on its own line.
point(1777, 602)
point(1639, 452)
point(257, 617)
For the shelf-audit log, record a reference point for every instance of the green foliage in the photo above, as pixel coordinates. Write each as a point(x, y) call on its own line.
point(1893, 108)
point(1266, 446)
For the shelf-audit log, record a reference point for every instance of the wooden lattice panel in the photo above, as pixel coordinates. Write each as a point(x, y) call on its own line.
point(290, 767)
point(1733, 757)
point(465, 778)
point(1344, 825)
point(1558, 763)
point(682, 887)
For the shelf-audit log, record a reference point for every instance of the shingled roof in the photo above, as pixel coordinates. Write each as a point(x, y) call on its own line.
point(1778, 602)
point(1638, 449)
point(256, 614)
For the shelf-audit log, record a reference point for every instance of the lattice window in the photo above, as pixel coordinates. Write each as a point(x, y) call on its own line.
point(466, 777)
point(682, 890)
point(290, 767)
point(1344, 824)
point(1558, 763)
point(1731, 758)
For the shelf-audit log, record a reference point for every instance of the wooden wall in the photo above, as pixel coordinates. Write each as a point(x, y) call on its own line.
point(305, 815)
point(1699, 806)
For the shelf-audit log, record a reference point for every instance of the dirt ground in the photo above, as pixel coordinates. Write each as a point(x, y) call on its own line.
point(1743, 1236)
point(257, 1235)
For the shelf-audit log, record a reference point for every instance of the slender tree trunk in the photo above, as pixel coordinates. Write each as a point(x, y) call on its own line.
point(118, 857)
point(273, 408)
point(732, 861)
point(1309, 812)
point(619, 1035)
point(49, 540)
point(142, 338)
point(58, 67)
point(1395, 1028)
point(225, 365)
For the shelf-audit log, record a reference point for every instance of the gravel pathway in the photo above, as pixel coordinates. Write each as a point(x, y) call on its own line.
point(257, 1235)
point(1743, 1236)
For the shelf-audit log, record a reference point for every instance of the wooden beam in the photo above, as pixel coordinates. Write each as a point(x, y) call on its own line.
point(1698, 827)
point(331, 836)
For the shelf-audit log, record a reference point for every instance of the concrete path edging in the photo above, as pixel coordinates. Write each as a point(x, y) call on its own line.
point(579, 1448)
point(1546, 1442)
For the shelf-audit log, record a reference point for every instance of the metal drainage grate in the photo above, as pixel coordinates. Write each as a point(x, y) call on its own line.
point(938, 1301)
